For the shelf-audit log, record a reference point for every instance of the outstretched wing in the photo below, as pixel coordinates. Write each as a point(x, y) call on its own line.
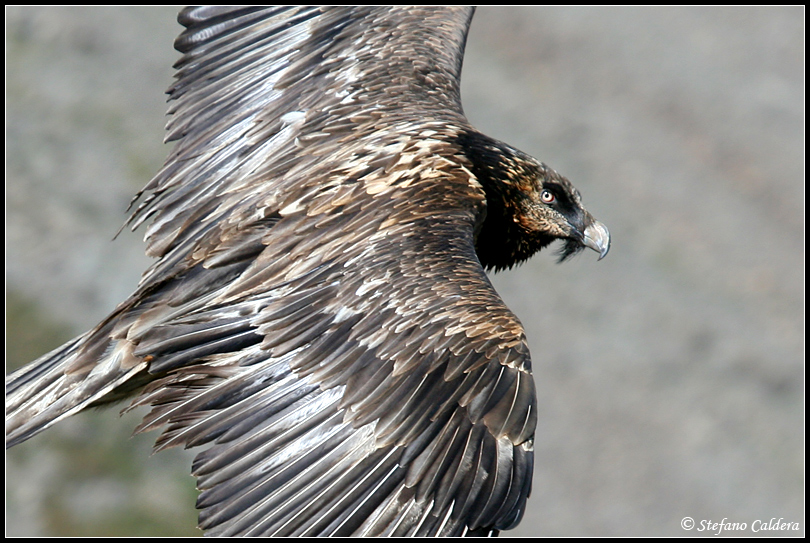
point(254, 84)
point(318, 316)
point(383, 388)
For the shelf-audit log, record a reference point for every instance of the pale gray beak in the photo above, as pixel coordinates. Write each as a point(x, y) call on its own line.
point(597, 237)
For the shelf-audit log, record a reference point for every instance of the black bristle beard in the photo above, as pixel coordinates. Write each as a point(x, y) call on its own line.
point(570, 248)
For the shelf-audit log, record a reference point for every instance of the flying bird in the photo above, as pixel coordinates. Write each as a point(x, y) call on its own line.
point(318, 317)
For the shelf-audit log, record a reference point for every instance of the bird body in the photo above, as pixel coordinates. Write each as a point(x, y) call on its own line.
point(319, 316)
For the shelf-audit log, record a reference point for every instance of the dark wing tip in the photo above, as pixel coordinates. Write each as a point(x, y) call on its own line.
point(204, 22)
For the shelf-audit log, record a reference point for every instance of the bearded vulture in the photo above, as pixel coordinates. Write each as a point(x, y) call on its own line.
point(318, 317)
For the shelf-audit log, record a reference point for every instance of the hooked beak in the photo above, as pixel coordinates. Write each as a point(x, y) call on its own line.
point(597, 237)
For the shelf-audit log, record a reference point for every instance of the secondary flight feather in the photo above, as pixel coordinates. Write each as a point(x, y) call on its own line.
point(318, 316)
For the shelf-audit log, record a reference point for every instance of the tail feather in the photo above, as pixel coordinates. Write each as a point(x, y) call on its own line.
point(46, 391)
point(29, 379)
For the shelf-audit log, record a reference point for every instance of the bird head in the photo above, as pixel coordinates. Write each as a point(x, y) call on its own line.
point(529, 206)
point(550, 206)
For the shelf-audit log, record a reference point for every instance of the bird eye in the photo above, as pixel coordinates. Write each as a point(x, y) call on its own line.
point(547, 197)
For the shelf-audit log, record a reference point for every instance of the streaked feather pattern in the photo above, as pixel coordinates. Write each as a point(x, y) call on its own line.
point(318, 315)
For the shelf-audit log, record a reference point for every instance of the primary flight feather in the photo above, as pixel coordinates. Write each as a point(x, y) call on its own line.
point(318, 316)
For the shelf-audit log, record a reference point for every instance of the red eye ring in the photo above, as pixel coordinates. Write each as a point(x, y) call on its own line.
point(547, 197)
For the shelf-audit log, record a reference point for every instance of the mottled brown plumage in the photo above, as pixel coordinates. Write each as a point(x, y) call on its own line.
point(318, 315)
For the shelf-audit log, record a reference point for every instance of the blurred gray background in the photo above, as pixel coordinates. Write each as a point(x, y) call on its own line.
point(670, 375)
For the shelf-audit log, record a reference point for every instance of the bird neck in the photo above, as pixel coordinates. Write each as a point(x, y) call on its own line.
point(502, 241)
